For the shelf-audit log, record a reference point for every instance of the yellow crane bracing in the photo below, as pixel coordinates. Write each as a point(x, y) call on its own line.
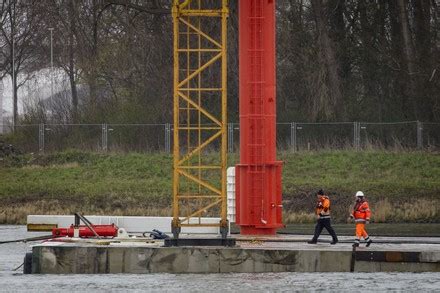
point(200, 114)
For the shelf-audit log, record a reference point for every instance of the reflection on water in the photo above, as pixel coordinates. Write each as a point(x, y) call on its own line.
point(11, 256)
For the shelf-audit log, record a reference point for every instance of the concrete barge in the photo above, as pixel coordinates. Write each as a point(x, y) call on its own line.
point(283, 253)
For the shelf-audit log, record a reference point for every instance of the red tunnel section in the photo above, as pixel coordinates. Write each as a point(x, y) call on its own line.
point(258, 176)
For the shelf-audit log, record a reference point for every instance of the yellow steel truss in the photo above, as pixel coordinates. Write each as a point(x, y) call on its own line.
point(200, 96)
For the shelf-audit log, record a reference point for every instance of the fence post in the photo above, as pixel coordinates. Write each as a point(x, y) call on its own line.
point(293, 136)
point(419, 135)
point(41, 137)
point(105, 145)
point(168, 137)
point(171, 138)
point(356, 135)
point(230, 137)
point(104, 137)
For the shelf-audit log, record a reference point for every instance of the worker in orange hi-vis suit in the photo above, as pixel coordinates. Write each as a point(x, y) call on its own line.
point(361, 214)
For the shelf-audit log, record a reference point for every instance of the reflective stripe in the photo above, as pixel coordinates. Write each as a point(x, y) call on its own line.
point(360, 220)
point(324, 217)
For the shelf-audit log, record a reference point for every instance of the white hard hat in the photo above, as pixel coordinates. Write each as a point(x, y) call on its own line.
point(359, 194)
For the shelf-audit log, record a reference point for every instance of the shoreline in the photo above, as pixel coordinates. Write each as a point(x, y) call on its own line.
point(400, 187)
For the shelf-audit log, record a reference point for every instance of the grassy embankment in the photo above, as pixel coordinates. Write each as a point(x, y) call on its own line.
point(401, 187)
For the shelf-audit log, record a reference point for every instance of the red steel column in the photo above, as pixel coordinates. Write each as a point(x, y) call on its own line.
point(258, 176)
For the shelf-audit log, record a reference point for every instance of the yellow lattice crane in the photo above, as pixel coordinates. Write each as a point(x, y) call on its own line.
point(200, 120)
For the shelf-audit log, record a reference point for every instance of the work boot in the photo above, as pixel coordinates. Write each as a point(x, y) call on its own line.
point(334, 241)
point(356, 244)
point(312, 241)
point(369, 242)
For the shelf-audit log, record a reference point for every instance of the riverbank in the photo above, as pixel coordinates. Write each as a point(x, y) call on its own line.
point(401, 187)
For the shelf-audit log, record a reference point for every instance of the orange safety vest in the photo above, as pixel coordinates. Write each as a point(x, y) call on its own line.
point(323, 207)
point(361, 212)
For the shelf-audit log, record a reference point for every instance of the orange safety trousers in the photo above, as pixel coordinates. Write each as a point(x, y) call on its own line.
point(360, 231)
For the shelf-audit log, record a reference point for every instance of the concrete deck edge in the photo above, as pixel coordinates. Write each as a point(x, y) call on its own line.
point(107, 259)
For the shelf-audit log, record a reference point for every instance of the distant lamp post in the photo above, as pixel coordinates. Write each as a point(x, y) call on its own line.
point(51, 61)
point(13, 75)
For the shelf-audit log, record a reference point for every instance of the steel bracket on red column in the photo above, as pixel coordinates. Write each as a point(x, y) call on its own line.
point(258, 176)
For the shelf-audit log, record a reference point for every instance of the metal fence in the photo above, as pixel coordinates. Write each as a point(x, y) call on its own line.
point(292, 136)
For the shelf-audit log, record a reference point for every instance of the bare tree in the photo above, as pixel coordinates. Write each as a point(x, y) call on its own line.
point(409, 55)
point(337, 59)
point(20, 34)
point(329, 98)
point(64, 15)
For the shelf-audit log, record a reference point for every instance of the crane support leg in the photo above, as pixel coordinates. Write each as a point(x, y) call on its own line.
point(200, 117)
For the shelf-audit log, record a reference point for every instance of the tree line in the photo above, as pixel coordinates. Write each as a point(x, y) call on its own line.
point(337, 60)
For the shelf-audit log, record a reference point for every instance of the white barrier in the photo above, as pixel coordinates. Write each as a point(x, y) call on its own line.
point(230, 190)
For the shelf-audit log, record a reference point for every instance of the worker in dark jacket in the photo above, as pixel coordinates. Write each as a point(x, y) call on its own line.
point(323, 215)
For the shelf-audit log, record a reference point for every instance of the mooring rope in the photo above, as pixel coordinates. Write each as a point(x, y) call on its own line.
point(38, 238)
point(17, 268)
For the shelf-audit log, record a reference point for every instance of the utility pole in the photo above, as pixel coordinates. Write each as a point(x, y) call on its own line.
point(1, 106)
point(51, 61)
point(13, 69)
point(13, 81)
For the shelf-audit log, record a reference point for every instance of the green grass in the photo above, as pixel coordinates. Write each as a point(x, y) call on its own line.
point(378, 173)
point(133, 183)
point(87, 174)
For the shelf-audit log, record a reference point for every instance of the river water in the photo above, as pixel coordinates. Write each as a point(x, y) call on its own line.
point(11, 256)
